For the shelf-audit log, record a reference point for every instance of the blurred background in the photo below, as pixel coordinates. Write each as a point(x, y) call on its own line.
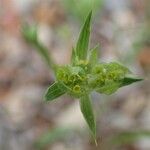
point(121, 27)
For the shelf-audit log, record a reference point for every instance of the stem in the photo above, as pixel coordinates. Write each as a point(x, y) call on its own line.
point(45, 54)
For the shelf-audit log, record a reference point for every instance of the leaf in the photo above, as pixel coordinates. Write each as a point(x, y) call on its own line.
point(54, 91)
point(87, 111)
point(93, 56)
point(83, 41)
point(130, 79)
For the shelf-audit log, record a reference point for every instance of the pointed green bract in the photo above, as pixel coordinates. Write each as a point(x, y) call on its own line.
point(87, 111)
point(54, 91)
point(129, 79)
point(83, 41)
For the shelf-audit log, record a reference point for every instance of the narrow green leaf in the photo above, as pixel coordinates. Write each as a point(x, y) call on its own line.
point(83, 41)
point(93, 56)
point(54, 91)
point(130, 79)
point(87, 111)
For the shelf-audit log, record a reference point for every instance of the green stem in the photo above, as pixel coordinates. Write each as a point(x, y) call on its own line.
point(45, 54)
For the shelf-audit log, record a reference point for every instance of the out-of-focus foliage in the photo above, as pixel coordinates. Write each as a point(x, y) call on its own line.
point(51, 136)
point(129, 137)
point(80, 8)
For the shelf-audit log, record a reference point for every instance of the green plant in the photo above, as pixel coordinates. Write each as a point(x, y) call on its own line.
point(52, 135)
point(128, 137)
point(85, 74)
